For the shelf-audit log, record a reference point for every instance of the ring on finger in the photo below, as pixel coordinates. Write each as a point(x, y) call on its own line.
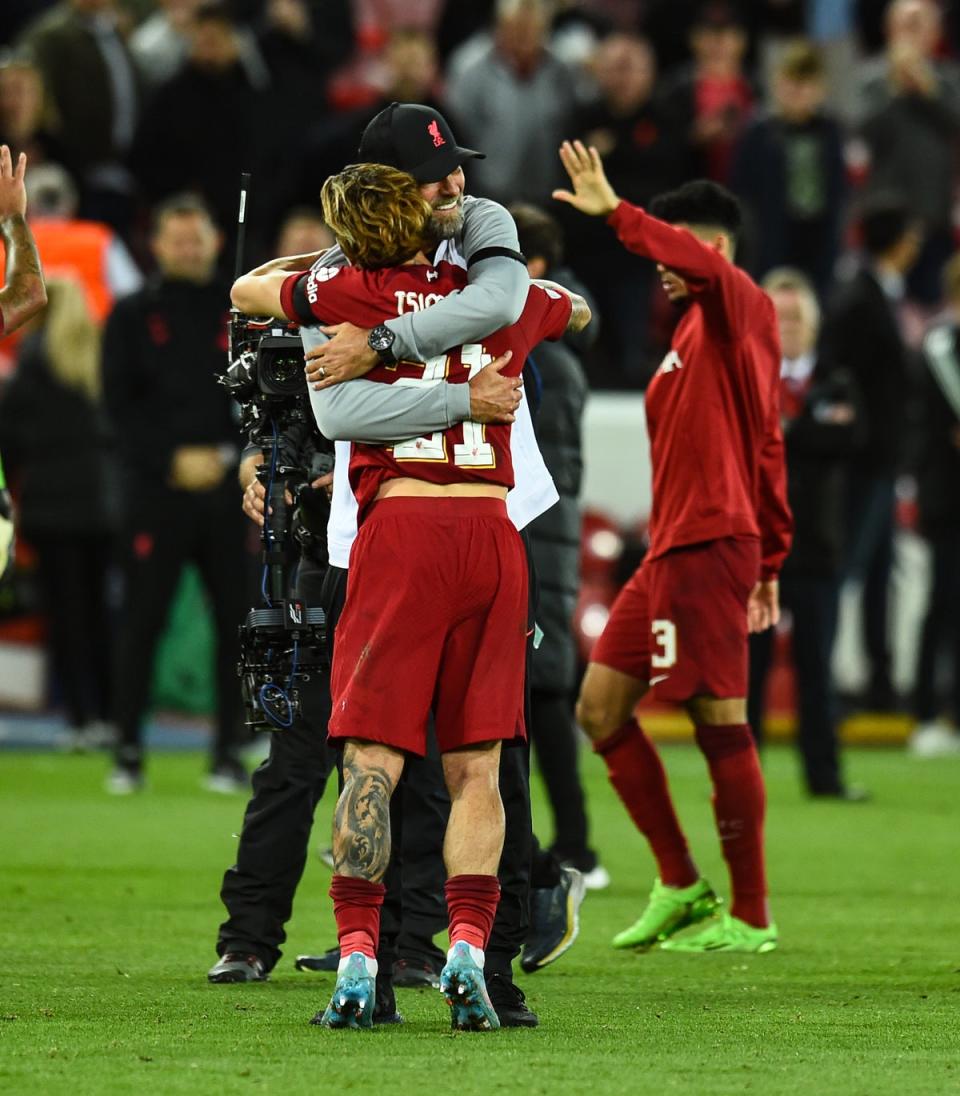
point(321, 371)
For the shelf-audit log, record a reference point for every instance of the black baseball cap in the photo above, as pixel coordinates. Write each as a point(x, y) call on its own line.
point(416, 139)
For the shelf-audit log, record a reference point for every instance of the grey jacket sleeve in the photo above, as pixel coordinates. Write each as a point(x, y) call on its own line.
point(381, 414)
point(494, 298)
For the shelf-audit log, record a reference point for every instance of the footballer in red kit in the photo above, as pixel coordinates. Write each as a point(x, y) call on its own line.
point(720, 529)
point(435, 616)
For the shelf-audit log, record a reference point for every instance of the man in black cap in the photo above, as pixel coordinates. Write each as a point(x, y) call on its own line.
point(481, 236)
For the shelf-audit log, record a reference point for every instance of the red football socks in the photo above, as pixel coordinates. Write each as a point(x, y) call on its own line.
point(356, 906)
point(739, 805)
point(637, 774)
point(472, 902)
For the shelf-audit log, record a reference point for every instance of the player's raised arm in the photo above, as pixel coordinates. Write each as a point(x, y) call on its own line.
point(678, 249)
point(24, 293)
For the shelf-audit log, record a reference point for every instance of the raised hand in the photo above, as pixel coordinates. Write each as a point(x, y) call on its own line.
point(13, 194)
point(592, 192)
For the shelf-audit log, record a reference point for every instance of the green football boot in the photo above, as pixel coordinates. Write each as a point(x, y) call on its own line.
point(669, 910)
point(727, 934)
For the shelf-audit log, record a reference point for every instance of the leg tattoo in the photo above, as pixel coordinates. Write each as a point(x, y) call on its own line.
point(361, 838)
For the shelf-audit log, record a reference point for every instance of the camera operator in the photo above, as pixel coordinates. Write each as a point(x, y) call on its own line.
point(177, 439)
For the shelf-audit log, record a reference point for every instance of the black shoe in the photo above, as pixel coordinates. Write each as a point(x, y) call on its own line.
point(509, 1003)
point(385, 1010)
point(554, 921)
point(234, 966)
point(329, 961)
point(416, 974)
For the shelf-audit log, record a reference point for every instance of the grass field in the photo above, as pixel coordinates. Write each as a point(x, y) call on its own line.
point(109, 912)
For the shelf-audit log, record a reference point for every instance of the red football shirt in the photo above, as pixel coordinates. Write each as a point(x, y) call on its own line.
point(713, 405)
point(467, 452)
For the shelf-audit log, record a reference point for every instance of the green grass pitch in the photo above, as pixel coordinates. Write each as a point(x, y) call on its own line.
point(109, 911)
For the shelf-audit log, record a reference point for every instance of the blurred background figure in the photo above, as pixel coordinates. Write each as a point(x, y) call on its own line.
point(178, 441)
point(712, 98)
point(557, 389)
point(937, 677)
point(56, 447)
point(908, 112)
point(95, 96)
point(208, 122)
point(862, 338)
point(162, 41)
point(517, 100)
point(789, 170)
point(90, 252)
point(644, 154)
point(303, 231)
point(24, 122)
point(820, 424)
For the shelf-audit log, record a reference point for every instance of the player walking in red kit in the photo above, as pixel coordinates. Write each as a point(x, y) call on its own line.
point(436, 609)
point(719, 530)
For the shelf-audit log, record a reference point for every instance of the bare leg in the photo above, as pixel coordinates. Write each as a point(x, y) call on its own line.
point(606, 702)
point(474, 837)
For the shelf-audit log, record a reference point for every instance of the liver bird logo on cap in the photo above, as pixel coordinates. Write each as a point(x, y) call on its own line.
point(434, 130)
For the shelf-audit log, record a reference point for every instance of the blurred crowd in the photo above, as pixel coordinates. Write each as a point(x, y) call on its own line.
point(835, 121)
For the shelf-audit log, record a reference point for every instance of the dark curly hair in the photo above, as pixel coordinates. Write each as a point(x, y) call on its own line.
point(700, 202)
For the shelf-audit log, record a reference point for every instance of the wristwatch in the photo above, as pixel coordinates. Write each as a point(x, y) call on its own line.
point(380, 340)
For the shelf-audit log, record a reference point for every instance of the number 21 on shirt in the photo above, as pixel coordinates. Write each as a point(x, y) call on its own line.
point(473, 451)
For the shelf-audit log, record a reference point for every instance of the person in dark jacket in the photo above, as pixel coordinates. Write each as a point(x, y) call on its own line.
point(820, 429)
point(559, 394)
point(644, 154)
point(862, 336)
point(55, 437)
point(177, 439)
point(938, 496)
point(789, 170)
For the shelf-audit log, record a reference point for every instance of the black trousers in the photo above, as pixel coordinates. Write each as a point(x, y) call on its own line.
point(941, 630)
point(812, 601)
point(553, 731)
point(164, 530)
point(258, 890)
point(72, 568)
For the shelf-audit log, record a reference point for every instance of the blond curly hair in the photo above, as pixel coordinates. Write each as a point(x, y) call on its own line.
point(376, 213)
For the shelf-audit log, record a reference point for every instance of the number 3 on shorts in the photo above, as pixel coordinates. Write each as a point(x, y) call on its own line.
point(665, 636)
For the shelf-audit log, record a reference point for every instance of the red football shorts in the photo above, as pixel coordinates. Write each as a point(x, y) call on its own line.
point(680, 623)
point(435, 617)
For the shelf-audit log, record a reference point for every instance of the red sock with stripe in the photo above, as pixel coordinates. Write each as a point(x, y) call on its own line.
point(472, 902)
point(356, 906)
point(637, 774)
point(739, 806)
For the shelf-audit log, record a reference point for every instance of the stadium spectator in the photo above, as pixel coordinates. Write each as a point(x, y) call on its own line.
point(302, 231)
point(861, 335)
point(908, 112)
point(820, 425)
point(711, 570)
point(94, 90)
point(712, 99)
point(160, 44)
point(789, 171)
point(517, 98)
point(55, 437)
point(88, 251)
point(177, 440)
point(23, 122)
point(938, 476)
point(208, 122)
point(644, 155)
point(558, 389)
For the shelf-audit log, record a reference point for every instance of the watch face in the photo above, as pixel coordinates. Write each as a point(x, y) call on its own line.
point(381, 338)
